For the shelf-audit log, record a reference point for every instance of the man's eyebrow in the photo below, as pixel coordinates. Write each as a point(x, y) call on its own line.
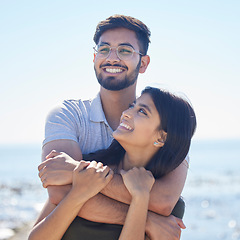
point(103, 43)
point(121, 44)
point(126, 44)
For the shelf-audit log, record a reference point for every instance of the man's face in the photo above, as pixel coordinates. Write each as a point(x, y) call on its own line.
point(113, 73)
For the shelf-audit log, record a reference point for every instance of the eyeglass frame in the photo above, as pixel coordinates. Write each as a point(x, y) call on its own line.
point(134, 51)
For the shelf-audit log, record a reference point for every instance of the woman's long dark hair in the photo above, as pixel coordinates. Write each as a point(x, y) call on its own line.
point(178, 120)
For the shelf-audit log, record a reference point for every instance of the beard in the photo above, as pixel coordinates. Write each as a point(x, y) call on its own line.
point(114, 84)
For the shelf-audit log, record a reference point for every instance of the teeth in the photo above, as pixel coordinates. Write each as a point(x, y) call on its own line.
point(113, 70)
point(125, 126)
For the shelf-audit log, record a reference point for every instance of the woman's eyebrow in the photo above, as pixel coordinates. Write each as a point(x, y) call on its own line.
point(145, 106)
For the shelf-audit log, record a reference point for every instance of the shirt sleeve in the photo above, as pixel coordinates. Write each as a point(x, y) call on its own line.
point(63, 122)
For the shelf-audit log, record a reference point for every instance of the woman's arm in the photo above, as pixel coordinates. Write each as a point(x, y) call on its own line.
point(59, 219)
point(88, 180)
point(135, 223)
point(139, 182)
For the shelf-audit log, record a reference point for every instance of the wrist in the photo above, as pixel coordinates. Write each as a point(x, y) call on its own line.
point(76, 198)
point(141, 201)
point(144, 197)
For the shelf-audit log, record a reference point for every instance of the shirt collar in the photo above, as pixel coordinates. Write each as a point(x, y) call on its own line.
point(96, 111)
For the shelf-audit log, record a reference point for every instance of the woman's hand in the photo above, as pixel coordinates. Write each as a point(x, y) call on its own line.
point(89, 178)
point(138, 181)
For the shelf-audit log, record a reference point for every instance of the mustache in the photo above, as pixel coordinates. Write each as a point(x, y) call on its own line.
point(113, 65)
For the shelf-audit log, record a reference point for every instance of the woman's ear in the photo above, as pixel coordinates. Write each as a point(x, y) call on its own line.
point(162, 137)
point(145, 60)
point(94, 56)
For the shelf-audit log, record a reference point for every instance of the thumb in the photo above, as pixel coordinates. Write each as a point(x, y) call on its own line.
point(180, 223)
point(52, 154)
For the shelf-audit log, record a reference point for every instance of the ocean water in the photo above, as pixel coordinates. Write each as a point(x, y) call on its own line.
point(211, 193)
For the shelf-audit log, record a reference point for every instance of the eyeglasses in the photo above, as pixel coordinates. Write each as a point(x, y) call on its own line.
point(124, 52)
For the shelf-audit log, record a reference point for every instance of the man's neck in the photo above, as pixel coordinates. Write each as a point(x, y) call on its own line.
point(115, 102)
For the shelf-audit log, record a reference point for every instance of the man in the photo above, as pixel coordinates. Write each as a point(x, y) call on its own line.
point(82, 127)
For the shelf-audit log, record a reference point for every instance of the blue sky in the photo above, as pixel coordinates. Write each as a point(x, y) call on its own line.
point(46, 56)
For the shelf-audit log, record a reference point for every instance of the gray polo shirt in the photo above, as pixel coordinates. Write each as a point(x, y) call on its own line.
point(81, 121)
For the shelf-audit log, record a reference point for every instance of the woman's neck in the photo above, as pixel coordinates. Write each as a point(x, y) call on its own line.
point(136, 159)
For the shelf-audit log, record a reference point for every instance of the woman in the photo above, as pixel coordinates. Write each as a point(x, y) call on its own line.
point(153, 138)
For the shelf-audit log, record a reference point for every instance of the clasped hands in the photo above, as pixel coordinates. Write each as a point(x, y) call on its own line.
point(58, 169)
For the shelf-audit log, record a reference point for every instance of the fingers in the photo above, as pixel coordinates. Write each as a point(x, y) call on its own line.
point(93, 164)
point(48, 158)
point(123, 172)
point(52, 154)
point(82, 165)
point(44, 183)
point(110, 174)
point(180, 223)
point(40, 173)
point(99, 168)
point(41, 166)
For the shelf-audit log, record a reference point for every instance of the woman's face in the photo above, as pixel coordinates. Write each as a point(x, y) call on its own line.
point(139, 124)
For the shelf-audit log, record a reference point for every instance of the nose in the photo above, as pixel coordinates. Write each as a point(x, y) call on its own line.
point(113, 55)
point(127, 113)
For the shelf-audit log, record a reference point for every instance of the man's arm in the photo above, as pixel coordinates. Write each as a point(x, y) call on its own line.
point(157, 227)
point(164, 194)
point(59, 170)
point(163, 197)
point(101, 208)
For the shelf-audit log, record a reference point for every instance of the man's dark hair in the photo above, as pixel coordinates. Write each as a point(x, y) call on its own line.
point(120, 21)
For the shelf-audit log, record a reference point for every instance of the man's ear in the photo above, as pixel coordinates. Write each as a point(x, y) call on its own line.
point(145, 60)
point(94, 56)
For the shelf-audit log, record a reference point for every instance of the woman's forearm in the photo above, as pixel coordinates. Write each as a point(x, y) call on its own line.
point(135, 223)
point(56, 223)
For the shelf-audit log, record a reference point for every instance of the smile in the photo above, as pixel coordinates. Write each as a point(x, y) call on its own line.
point(126, 126)
point(113, 70)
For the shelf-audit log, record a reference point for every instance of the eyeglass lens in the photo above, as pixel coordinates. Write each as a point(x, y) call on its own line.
point(124, 52)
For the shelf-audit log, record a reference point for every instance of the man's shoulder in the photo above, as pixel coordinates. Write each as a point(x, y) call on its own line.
point(79, 103)
point(76, 104)
point(75, 109)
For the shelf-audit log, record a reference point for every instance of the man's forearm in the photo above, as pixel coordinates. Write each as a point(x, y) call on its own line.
point(163, 196)
point(103, 209)
point(99, 208)
point(157, 203)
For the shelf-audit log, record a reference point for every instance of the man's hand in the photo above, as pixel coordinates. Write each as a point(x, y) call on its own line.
point(57, 169)
point(163, 228)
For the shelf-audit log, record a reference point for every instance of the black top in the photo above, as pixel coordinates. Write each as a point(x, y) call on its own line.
point(81, 229)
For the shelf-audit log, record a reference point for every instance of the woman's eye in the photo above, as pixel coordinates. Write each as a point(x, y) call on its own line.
point(131, 105)
point(141, 110)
